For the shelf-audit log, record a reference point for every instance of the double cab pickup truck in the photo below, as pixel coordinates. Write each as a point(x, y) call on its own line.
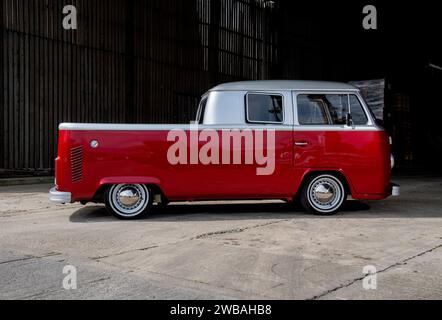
point(316, 142)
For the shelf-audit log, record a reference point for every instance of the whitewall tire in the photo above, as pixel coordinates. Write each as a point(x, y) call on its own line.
point(129, 201)
point(323, 194)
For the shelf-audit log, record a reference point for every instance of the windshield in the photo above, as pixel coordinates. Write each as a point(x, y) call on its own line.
point(379, 122)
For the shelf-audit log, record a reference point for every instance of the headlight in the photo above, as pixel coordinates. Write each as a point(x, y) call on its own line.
point(392, 161)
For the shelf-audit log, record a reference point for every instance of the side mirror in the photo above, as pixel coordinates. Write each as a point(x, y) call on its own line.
point(349, 120)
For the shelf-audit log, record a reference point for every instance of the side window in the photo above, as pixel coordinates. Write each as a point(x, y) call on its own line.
point(329, 109)
point(264, 108)
point(202, 110)
point(312, 110)
point(338, 106)
point(357, 111)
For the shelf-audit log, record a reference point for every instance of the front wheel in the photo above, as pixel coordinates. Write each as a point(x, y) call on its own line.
point(323, 194)
point(129, 201)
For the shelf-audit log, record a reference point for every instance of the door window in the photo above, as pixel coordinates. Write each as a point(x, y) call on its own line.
point(329, 109)
point(311, 110)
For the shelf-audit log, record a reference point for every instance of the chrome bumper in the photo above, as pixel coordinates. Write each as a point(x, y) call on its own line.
point(395, 190)
point(59, 197)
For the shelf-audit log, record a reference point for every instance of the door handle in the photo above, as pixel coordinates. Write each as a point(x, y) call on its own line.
point(301, 143)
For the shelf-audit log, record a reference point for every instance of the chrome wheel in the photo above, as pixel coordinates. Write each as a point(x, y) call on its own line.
point(129, 200)
point(325, 194)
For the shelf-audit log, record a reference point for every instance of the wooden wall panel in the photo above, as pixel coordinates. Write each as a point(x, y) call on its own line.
point(140, 61)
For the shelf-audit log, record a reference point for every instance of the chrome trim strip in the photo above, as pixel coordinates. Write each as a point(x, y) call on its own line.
point(299, 128)
point(166, 127)
point(118, 127)
point(132, 127)
point(59, 197)
point(288, 89)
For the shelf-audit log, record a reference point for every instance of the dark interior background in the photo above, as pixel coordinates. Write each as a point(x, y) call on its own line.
point(149, 61)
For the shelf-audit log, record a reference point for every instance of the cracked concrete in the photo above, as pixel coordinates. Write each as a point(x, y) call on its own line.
point(122, 252)
point(26, 258)
point(403, 262)
point(237, 230)
point(232, 250)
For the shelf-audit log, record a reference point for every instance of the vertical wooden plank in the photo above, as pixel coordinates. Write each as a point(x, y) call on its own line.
point(130, 63)
point(16, 106)
point(26, 83)
point(4, 85)
point(9, 93)
point(22, 109)
point(36, 87)
point(112, 87)
point(42, 143)
point(31, 86)
point(75, 83)
point(57, 22)
point(49, 118)
point(10, 106)
point(102, 61)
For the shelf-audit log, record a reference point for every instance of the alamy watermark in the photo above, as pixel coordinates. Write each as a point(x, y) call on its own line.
point(223, 147)
point(70, 18)
point(70, 280)
point(370, 282)
point(370, 21)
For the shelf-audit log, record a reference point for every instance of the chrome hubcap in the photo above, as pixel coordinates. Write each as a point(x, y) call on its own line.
point(129, 200)
point(129, 197)
point(326, 194)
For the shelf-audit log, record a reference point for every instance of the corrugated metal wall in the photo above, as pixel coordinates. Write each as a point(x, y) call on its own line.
point(129, 61)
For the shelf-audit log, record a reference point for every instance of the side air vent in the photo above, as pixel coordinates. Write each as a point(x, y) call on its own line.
point(77, 164)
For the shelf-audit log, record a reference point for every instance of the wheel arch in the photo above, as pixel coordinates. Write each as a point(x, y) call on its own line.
point(338, 173)
point(106, 183)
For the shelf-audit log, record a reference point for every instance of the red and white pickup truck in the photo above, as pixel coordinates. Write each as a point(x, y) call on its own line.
point(316, 141)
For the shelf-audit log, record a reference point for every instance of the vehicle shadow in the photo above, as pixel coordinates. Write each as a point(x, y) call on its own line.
point(213, 212)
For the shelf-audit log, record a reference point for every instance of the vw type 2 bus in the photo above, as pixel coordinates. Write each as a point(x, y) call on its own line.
point(313, 141)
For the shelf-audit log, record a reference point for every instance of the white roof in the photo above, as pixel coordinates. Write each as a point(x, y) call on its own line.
point(268, 85)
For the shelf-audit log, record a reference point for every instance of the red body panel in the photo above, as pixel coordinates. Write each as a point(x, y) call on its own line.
point(363, 157)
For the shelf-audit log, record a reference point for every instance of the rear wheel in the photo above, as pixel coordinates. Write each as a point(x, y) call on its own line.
point(323, 194)
point(129, 201)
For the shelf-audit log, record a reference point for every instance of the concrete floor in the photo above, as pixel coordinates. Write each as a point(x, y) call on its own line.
point(223, 251)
